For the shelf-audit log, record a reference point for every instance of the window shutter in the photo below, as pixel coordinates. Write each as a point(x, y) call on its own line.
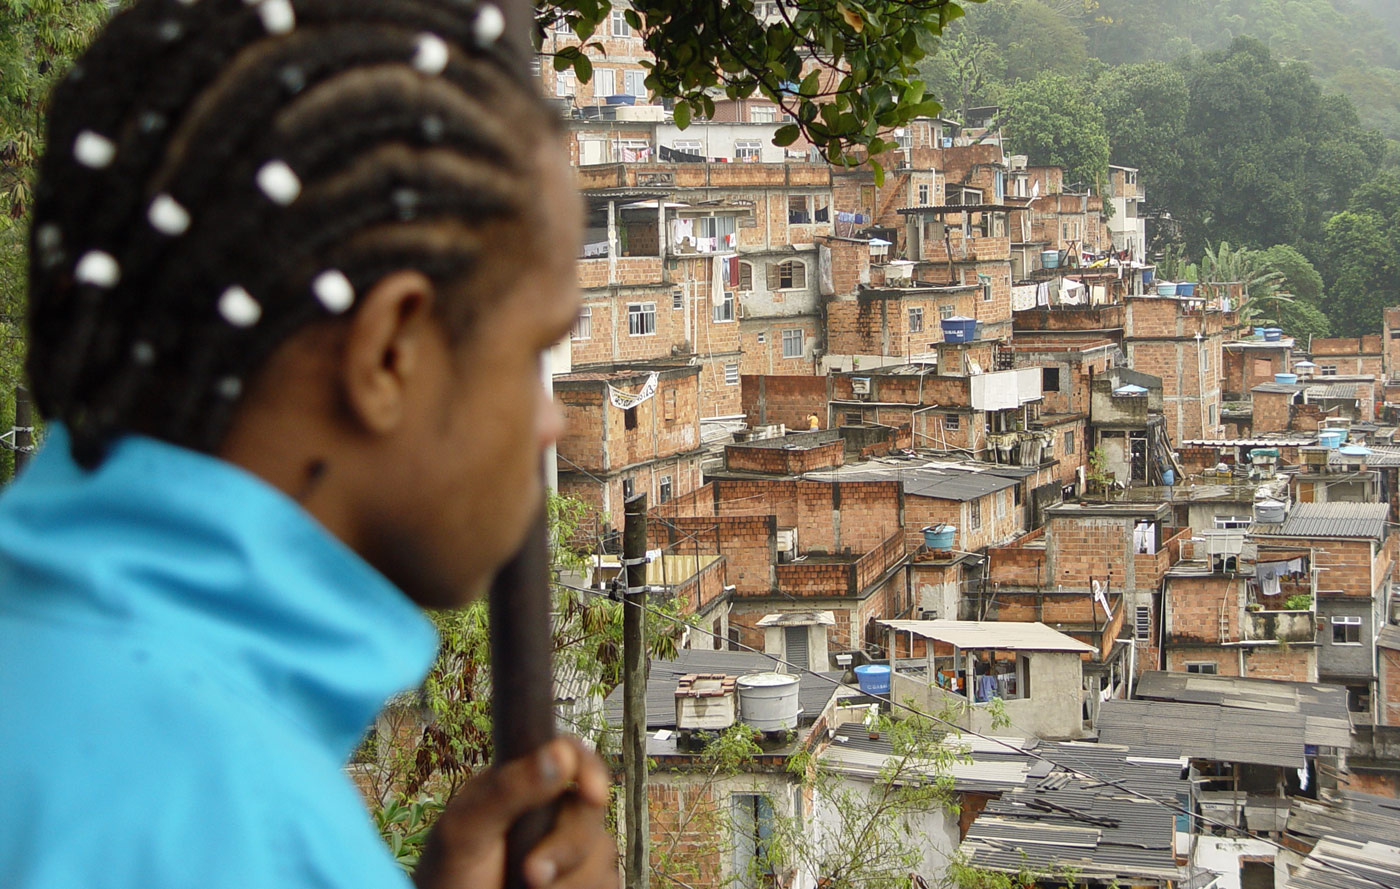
point(799, 274)
point(773, 274)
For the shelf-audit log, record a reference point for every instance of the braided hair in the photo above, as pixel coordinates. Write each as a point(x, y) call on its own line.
point(222, 173)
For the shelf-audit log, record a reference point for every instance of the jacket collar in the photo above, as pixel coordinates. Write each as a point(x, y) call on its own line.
point(194, 553)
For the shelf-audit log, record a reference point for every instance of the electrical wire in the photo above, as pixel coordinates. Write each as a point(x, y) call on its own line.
point(1002, 742)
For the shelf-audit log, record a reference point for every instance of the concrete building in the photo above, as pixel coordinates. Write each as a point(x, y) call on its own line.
point(1127, 228)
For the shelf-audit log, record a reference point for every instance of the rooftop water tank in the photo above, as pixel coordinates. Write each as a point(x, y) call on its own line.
point(1269, 512)
point(958, 329)
point(1289, 379)
point(1331, 438)
point(1166, 288)
point(1049, 259)
point(768, 701)
point(939, 537)
point(1273, 334)
point(1186, 288)
point(873, 679)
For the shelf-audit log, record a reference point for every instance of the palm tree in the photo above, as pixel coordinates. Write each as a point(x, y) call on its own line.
point(1264, 297)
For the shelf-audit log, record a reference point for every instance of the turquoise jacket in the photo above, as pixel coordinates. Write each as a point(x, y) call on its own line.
point(187, 659)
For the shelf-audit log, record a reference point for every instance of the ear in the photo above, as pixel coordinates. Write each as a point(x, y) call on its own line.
point(393, 335)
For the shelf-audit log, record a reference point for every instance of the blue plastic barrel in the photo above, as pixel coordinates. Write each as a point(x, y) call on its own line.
point(1290, 379)
point(939, 536)
point(873, 679)
point(1147, 276)
point(1166, 288)
point(1049, 259)
point(1273, 334)
point(1330, 438)
point(1259, 332)
point(1168, 476)
point(1186, 288)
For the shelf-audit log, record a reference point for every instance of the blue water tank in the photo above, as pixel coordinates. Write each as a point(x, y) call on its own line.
point(1273, 334)
point(1049, 259)
point(958, 329)
point(1290, 379)
point(1186, 288)
point(1147, 276)
point(1331, 438)
point(1168, 476)
point(873, 679)
point(1166, 288)
point(1259, 331)
point(939, 537)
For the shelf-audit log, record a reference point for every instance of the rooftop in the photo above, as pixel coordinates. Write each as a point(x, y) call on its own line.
point(944, 482)
point(1204, 731)
point(1096, 827)
point(997, 635)
point(1359, 520)
point(976, 765)
point(1324, 707)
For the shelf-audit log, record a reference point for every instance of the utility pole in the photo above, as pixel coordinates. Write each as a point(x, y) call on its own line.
point(634, 691)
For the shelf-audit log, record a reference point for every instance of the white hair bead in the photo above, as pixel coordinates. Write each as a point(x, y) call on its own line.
point(94, 150)
point(334, 291)
point(279, 182)
point(489, 25)
point(430, 56)
point(239, 308)
point(277, 16)
point(230, 388)
point(99, 269)
point(167, 216)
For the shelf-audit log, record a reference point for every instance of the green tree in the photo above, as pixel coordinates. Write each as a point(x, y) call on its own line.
point(1359, 265)
point(1300, 278)
point(1054, 120)
point(1144, 113)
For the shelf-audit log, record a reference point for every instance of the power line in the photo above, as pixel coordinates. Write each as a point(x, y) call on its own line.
point(1002, 742)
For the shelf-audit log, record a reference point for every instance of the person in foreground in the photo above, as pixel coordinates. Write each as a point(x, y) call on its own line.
point(293, 266)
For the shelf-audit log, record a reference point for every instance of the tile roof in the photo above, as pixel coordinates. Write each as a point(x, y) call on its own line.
point(1324, 707)
point(1335, 520)
point(1204, 731)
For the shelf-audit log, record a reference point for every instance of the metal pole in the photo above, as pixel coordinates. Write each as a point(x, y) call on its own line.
point(634, 691)
point(24, 427)
point(522, 697)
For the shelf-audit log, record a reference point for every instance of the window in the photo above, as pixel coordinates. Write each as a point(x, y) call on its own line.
point(731, 375)
point(999, 502)
point(720, 228)
point(583, 327)
point(945, 311)
point(604, 82)
point(561, 26)
point(689, 146)
point(634, 83)
point(804, 209)
point(751, 820)
point(916, 319)
point(974, 509)
point(1327, 370)
point(761, 337)
point(1201, 667)
point(952, 422)
point(664, 492)
point(668, 406)
point(1142, 623)
point(924, 197)
point(565, 85)
point(792, 343)
point(747, 150)
point(1210, 411)
point(763, 114)
point(641, 319)
point(1016, 496)
point(790, 275)
point(677, 299)
point(1346, 630)
point(535, 67)
point(619, 23)
point(986, 288)
point(745, 276)
point(629, 418)
point(1069, 442)
point(1050, 379)
point(724, 310)
point(1226, 522)
point(626, 488)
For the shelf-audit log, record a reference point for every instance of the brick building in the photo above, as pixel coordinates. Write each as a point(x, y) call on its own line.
point(1179, 340)
point(628, 430)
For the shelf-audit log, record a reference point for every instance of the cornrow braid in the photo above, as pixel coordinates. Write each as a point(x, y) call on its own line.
point(233, 171)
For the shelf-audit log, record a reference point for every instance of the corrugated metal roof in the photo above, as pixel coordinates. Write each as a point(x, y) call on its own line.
point(1334, 390)
point(1324, 707)
point(1203, 731)
point(925, 481)
point(1097, 828)
point(1353, 865)
point(998, 635)
point(1336, 520)
point(1389, 637)
point(977, 765)
point(1278, 388)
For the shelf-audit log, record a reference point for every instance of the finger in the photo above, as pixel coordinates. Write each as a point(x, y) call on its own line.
point(594, 780)
point(578, 828)
point(598, 871)
point(501, 794)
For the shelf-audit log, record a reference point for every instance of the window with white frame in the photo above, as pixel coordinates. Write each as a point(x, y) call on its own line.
point(1208, 667)
point(789, 275)
point(689, 146)
point(604, 82)
point(1346, 630)
point(717, 227)
point(1327, 370)
point(1226, 522)
point(583, 327)
point(677, 299)
point(945, 311)
point(664, 489)
point(924, 194)
point(748, 149)
point(761, 337)
point(535, 66)
point(641, 319)
point(731, 375)
point(804, 209)
point(952, 422)
point(619, 23)
point(916, 319)
point(565, 84)
point(792, 343)
point(634, 83)
point(974, 512)
point(1142, 623)
point(999, 499)
point(763, 114)
point(724, 309)
point(561, 26)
